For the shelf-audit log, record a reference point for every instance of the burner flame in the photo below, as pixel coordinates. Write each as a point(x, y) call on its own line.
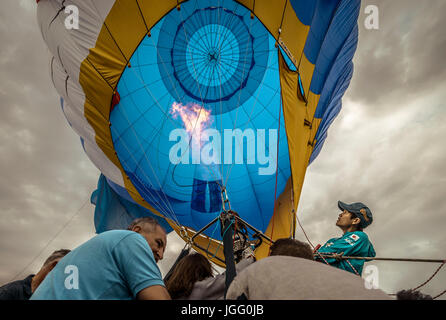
point(195, 119)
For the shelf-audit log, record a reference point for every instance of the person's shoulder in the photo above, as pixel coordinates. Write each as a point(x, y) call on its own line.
point(10, 285)
point(125, 239)
point(119, 238)
point(117, 235)
point(360, 234)
point(14, 290)
point(277, 261)
point(357, 235)
point(18, 283)
point(286, 265)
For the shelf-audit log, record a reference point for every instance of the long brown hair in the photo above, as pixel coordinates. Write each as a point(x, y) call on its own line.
point(192, 268)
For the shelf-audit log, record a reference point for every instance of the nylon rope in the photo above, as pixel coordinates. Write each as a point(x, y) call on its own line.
point(277, 166)
point(430, 278)
point(317, 252)
point(167, 203)
point(167, 208)
point(239, 95)
point(51, 240)
point(308, 240)
point(97, 11)
point(199, 89)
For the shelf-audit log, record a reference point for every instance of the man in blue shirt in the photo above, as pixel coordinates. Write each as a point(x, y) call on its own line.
point(117, 264)
point(354, 242)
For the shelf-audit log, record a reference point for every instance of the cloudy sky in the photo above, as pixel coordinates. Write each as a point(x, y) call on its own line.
point(386, 149)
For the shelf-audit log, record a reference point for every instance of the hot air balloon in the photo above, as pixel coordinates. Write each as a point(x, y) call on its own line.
point(191, 108)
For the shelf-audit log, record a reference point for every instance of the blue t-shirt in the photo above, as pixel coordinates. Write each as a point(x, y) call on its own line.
point(115, 264)
point(353, 244)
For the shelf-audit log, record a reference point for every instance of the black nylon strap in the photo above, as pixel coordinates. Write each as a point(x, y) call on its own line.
point(228, 251)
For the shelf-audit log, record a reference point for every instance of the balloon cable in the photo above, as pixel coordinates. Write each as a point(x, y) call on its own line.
point(51, 240)
point(277, 165)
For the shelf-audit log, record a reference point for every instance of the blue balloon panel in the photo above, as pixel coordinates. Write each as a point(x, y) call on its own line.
point(213, 69)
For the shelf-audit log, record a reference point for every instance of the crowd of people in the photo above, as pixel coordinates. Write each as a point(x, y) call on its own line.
point(122, 265)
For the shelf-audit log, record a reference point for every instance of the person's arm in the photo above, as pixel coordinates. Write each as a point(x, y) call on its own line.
point(9, 291)
point(238, 287)
point(214, 287)
point(326, 248)
point(348, 246)
point(138, 267)
point(153, 293)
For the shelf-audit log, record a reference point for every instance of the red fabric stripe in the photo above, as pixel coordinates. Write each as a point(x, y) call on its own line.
point(116, 99)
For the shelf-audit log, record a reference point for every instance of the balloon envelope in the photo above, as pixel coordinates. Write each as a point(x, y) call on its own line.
point(177, 101)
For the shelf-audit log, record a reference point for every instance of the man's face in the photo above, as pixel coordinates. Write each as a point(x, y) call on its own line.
point(345, 219)
point(157, 241)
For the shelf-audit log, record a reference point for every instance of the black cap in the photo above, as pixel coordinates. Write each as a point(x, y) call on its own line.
point(360, 210)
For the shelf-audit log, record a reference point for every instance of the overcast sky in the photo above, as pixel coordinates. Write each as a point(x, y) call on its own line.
point(386, 149)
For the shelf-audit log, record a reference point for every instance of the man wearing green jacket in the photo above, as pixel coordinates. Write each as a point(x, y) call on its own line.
point(354, 242)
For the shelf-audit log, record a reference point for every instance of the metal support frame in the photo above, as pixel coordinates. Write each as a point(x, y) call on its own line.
point(223, 216)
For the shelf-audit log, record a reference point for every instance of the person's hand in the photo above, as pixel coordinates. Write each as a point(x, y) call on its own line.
point(338, 256)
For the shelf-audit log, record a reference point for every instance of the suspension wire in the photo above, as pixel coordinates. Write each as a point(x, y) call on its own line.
point(139, 180)
point(147, 89)
point(252, 186)
point(219, 77)
point(385, 259)
point(292, 213)
point(256, 98)
point(346, 258)
point(308, 240)
point(51, 240)
point(199, 88)
point(220, 43)
point(239, 96)
point(262, 83)
point(277, 166)
point(168, 202)
point(431, 277)
point(168, 117)
point(439, 295)
point(161, 209)
point(209, 169)
point(252, 109)
point(428, 280)
point(164, 210)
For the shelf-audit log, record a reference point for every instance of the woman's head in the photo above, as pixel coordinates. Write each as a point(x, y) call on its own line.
point(192, 268)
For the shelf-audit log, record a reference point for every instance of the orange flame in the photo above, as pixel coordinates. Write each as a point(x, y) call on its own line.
point(195, 119)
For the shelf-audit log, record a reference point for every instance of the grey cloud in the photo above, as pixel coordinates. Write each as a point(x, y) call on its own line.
point(398, 170)
point(401, 60)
